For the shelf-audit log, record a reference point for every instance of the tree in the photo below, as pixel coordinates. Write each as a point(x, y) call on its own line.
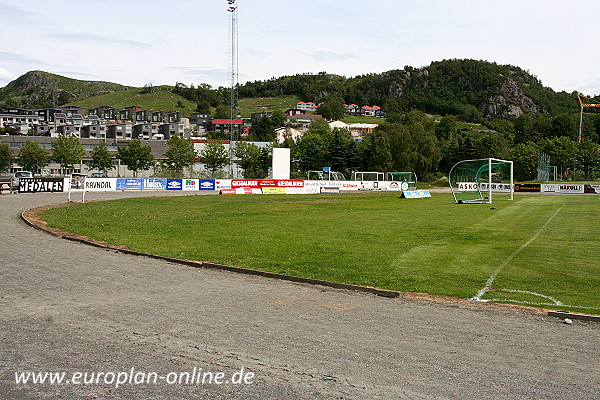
point(523, 128)
point(136, 156)
point(588, 156)
point(5, 157)
point(215, 156)
point(203, 106)
point(222, 112)
point(332, 108)
point(32, 157)
point(562, 152)
point(525, 159)
point(102, 160)
point(67, 151)
point(380, 156)
point(311, 151)
point(180, 154)
point(447, 127)
point(342, 152)
point(248, 156)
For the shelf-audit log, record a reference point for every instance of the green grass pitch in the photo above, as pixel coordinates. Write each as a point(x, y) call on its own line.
point(544, 250)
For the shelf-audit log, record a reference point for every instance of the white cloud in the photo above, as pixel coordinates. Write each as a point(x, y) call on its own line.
point(5, 76)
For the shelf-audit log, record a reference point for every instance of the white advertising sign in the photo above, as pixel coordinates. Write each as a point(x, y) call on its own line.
point(467, 186)
point(496, 187)
point(222, 184)
point(100, 184)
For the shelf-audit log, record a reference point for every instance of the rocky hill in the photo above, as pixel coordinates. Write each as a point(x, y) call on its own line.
point(43, 89)
point(470, 89)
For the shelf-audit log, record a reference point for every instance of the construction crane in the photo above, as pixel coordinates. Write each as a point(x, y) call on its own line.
point(591, 103)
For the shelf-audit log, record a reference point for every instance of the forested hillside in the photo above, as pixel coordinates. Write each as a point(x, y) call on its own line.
point(472, 90)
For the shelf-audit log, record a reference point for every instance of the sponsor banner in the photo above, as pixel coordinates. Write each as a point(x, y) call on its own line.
point(37, 185)
point(299, 190)
point(528, 187)
point(591, 189)
point(394, 186)
point(467, 186)
point(154, 184)
point(496, 187)
point(562, 188)
point(208, 184)
point(275, 190)
point(227, 191)
point(222, 184)
point(129, 184)
point(411, 194)
point(100, 184)
point(256, 191)
point(570, 188)
point(424, 193)
point(330, 189)
point(261, 183)
point(190, 184)
point(290, 183)
point(174, 184)
point(243, 190)
point(307, 190)
point(237, 183)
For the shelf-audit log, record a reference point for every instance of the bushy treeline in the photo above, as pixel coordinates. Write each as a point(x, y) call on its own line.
point(416, 142)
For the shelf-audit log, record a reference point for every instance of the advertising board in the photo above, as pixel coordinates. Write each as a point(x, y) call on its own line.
point(41, 185)
point(190, 184)
point(527, 187)
point(174, 184)
point(129, 184)
point(467, 186)
point(496, 187)
point(591, 189)
point(100, 184)
point(207, 184)
point(154, 184)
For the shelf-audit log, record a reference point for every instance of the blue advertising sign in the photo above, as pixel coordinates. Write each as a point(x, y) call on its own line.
point(129, 184)
point(207, 184)
point(154, 184)
point(174, 184)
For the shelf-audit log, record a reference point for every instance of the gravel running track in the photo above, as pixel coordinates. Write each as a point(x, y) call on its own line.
point(69, 307)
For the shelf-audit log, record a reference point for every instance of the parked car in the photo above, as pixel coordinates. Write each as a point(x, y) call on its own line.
point(15, 180)
point(98, 175)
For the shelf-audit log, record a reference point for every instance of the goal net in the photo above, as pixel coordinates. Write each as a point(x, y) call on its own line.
point(367, 176)
point(481, 180)
point(408, 177)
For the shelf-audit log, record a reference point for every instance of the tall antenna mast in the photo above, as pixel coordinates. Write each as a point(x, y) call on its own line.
point(233, 65)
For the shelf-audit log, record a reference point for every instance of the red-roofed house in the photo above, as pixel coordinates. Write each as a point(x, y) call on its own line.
point(225, 125)
point(310, 106)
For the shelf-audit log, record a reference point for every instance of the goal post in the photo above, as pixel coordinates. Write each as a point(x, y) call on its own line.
point(367, 176)
point(408, 177)
point(482, 180)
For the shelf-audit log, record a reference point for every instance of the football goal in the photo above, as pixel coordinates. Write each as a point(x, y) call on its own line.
point(325, 176)
point(408, 177)
point(481, 180)
point(367, 176)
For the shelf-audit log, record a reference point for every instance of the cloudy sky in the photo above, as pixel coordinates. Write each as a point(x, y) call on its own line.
point(137, 42)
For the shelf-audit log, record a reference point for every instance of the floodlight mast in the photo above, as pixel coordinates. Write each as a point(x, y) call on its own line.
point(233, 74)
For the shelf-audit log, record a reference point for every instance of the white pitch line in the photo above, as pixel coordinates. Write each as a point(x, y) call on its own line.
point(490, 281)
point(556, 302)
